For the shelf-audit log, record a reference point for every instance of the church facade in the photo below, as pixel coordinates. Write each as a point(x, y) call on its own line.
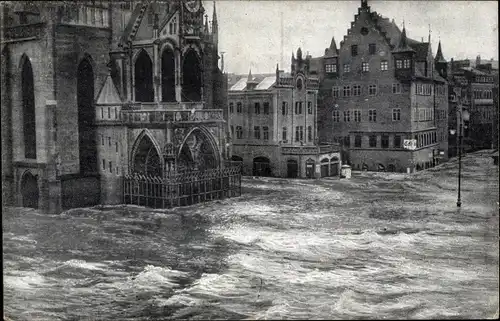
point(95, 91)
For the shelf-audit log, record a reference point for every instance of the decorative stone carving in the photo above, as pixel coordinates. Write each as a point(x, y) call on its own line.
point(178, 136)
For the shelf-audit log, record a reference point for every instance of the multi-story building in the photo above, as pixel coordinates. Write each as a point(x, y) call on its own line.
point(273, 125)
point(379, 89)
point(472, 88)
point(94, 91)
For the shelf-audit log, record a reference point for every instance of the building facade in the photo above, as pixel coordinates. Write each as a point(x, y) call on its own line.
point(273, 125)
point(378, 89)
point(473, 89)
point(97, 90)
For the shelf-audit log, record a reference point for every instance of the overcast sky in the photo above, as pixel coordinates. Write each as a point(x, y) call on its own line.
point(250, 31)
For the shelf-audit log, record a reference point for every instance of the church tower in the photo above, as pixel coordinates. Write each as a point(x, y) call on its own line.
point(440, 63)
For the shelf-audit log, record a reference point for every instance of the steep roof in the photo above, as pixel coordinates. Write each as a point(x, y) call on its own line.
point(439, 54)
point(332, 51)
point(421, 49)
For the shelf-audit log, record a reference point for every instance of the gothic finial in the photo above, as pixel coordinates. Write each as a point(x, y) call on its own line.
point(429, 33)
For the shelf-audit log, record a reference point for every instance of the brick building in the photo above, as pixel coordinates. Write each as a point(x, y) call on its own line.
point(273, 124)
point(472, 85)
point(379, 88)
point(94, 90)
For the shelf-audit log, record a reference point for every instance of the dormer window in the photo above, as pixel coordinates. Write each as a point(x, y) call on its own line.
point(406, 63)
point(330, 68)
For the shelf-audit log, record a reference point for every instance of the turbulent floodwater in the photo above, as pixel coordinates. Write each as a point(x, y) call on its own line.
point(376, 246)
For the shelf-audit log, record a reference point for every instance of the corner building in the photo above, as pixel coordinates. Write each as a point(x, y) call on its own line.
point(377, 90)
point(94, 91)
point(273, 124)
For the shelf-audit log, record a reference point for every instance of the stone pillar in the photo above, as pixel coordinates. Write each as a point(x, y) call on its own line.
point(50, 183)
point(156, 73)
point(178, 76)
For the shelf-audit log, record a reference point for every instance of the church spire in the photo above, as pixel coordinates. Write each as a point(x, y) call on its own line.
point(332, 50)
point(439, 54)
point(214, 17)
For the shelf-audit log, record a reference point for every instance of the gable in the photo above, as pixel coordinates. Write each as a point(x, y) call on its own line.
point(170, 27)
point(145, 30)
point(108, 93)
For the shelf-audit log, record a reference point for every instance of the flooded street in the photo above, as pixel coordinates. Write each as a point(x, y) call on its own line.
point(380, 245)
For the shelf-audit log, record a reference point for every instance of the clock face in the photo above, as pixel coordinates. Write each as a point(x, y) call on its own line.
point(193, 5)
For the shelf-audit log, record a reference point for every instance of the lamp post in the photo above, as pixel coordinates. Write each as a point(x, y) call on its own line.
point(462, 115)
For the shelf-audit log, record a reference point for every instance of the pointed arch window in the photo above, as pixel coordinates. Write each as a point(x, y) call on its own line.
point(191, 77)
point(168, 75)
point(28, 97)
point(143, 78)
point(146, 158)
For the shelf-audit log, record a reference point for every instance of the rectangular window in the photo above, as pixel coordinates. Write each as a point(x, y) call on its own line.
point(385, 141)
point(109, 112)
point(365, 67)
point(384, 65)
point(111, 167)
point(102, 112)
point(347, 68)
point(297, 133)
point(406, 64)
point(399, 64)
point(372, 48)
point(357, 116)
point(283, 135)
point(309, 133)
point(354, 50)
point(347, 141)
point(372, 90)
point(347, 116)
point(266, 108)
point(396, 88)
point(284, 109)
point(373, 141)
point(309, 107)
point(116, 147)
point(265, 131)
point(331, 68)
point(396, 114)
point(335, 91)
point(301, 133)
point(109, 141)
point(256, 132)
point(356, 90)
point(347, 91)
point(357, 140)
point(231, 108)
point(232, 131)
point(239, 132)
point(372, 115)
point(239, 108)
point(300, 108)
point(103, 164)
point(397, 141)
point(257, 108)
point(102, 140)
point(336, 116)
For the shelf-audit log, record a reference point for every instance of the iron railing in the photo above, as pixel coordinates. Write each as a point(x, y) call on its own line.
point(182, 188)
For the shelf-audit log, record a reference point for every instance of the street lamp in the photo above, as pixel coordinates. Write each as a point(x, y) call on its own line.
point(462, 115)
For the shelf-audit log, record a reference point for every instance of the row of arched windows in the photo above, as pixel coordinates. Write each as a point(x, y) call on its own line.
point(191, 77)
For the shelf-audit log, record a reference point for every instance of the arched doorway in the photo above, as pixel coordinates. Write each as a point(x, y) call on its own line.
point(191, 77)
point(324, 167)
point(168, 75)
point(261, 166)
point(199, 151)
point(310, 164)
point(292, 168)
point(143, 78)
point(29, 190)
point(146, 159)
point(28, 96)
point(334, 166)
point(86, 117)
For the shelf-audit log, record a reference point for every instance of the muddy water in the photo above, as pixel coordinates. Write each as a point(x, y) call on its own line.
point(376, 246)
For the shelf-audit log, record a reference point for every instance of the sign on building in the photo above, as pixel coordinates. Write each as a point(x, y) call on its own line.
point(410, 144)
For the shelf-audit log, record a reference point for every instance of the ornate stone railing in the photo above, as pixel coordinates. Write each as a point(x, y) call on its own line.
point(163, 105)
point(313, 83)
point(179, 116)
point(308, 150)
point(24, 31)
point(285, 81)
